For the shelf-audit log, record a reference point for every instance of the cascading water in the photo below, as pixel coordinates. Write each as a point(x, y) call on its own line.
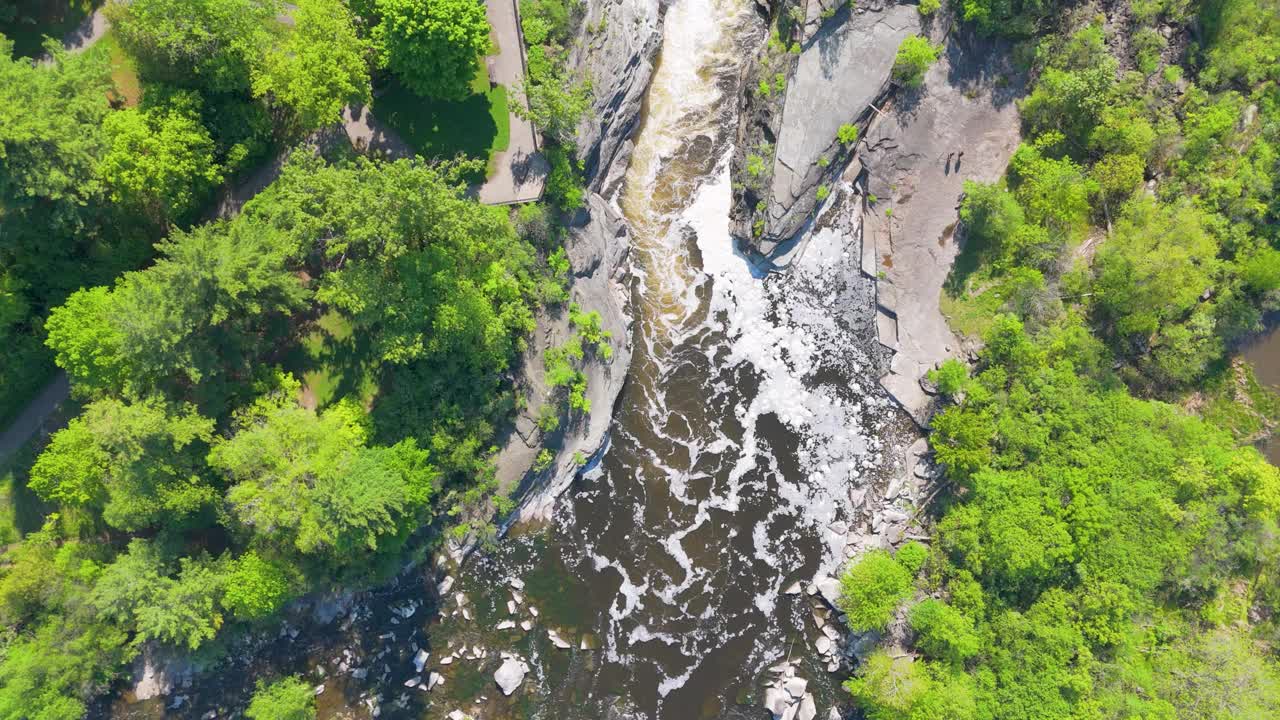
point(750, 421)
point(672, 576)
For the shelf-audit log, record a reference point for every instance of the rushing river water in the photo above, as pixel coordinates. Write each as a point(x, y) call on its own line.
point(744, 445)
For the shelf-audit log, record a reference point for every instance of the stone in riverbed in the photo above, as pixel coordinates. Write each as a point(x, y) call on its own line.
point(792, 589)
point(795, 686)
point(823, 644)
point(776, 701)
point(808, 710)
point(510, 675)
point(420, 659)
point(557, 640)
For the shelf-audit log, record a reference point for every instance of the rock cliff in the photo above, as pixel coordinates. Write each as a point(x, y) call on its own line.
point(618, 59)
point(962, 124)
point(843, 70)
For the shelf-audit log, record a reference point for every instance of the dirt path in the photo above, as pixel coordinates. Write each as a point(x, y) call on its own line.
point(519, 171)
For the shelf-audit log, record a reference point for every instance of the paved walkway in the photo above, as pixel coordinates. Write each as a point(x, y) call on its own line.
point(520, 171)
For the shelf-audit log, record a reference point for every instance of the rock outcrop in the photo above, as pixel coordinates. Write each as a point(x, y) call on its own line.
point(620, 45)
point(961, 125)
point(843, 71)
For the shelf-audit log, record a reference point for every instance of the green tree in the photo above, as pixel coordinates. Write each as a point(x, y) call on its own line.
point(435, 46)
point(944, 633)
point(257, 587)
point(213, 44)
point(307, 483)
point(915, 55)
point(183, 324)
point(51, 142)
point(321, 67)
point(287, 699)
point(898, 687)
point(138, 464)
point(871, 590)
point(159, 162)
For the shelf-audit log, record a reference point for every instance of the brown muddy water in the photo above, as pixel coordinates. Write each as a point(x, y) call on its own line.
point(744, 443)
point(1264, 355)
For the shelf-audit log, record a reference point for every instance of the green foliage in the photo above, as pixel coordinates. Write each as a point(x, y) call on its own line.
point(915, 55)
point(943, 632)
point(433, 47)
point(847, 134)
point(951, 377)
point(256, 587)
point(136, 463)
point(306, 482)
point(212, 44)
point(912, 556)
point(823, 192)
point(320, 67)
point(159, 163)
point(564, 183)
point(287, 699)
point(929, 7)
point(871, 589)
point(898, 687)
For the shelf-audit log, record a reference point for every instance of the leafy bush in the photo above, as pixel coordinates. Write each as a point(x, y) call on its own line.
point(871, 590)
point(915, 55)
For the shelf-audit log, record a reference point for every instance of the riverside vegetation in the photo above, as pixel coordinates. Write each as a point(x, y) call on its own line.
point(1099, 551)
point(294, 399)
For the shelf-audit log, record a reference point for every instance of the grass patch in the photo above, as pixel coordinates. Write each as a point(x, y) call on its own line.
point(970, 313)
point(332, 363)
point(123, 71)
point(477, 127)
point(51, 19)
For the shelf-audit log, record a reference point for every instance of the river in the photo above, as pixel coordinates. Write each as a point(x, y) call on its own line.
point(679, 569)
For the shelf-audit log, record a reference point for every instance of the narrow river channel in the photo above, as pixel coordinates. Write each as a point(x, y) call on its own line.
point(750, 420)
point(676, 575)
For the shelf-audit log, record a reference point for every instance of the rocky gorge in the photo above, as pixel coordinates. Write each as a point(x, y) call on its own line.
point(758, 424)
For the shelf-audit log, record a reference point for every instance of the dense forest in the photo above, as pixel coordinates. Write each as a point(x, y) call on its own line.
point(1099, 551)
point(267, 402)
point(300, 391)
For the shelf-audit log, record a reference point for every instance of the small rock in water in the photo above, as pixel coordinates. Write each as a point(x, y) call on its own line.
point(445, 585)
point(319, 688)
point(517, 597)
point(420, 659)
point(557, 640)
point(506, 624)
point(533, 611)
point(792, 589)
point(460, 598)
point(526, 625)
point(830, 589)
point(776, 701)
point(510, 675)
point(517, 583)
point(795, 686)
point(808, 710)
point(446, 660)
point(433, 680)
point(511, 607)
point(823, 644)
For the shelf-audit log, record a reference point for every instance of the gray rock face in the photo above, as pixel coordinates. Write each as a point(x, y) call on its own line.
point(842, 71)
point(913, 163)
point(597, 250)
point(617, 57)
point(510, 675)
point(621, 40)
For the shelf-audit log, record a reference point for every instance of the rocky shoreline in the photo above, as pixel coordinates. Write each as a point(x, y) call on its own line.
point(618, 60)
point(916, 148)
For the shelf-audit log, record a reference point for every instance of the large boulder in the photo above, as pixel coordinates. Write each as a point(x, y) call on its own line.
point(841, 73)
